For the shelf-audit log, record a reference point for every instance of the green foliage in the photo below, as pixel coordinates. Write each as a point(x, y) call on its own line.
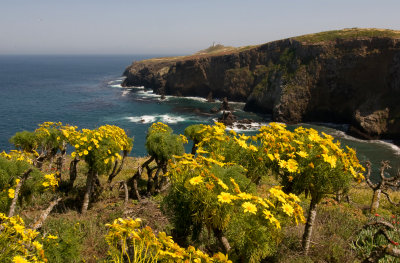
point(368, 238)
point(252, 239)
point(10, 171)
point(162, 144)
point(192, 132)
point(25, 140)
point(68, 245)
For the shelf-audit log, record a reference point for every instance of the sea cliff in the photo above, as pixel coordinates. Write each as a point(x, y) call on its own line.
point(346, 76)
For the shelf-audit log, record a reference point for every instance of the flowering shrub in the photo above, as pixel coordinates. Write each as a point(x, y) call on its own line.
point(12, 169)
point(17, 243)
point(130, 243)
point(304, 161)
point(213, 189)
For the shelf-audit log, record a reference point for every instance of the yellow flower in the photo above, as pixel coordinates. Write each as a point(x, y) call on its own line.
point(249, 208)
point(19, 259)
point(288, 209)
point(222, 184)
point(294, 197)
point(302, 154)
point(52, 237)
point(37, 245)
point(314, 137)
point(267, 214)
point(11, 193)
point(85, 152)
point(282, 163)
point(330, 159)
point(245, 196)
point(253, 148)
point(73, 154)
point(271, 157)
point(196, 180)
point(225, 197)
point(291, 165)
point(311, 165)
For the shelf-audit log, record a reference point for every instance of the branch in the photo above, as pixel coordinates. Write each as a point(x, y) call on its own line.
point(390, 200)
point(384, 165)
point(125, 186)
point(16, 192)
point(39, 222)
point(116, 171)
point(368, 175)
point(379, 223)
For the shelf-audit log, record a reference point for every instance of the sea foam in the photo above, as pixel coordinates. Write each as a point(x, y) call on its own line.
point(165, 118)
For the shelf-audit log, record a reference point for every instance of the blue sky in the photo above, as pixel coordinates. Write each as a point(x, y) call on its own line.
point(176, 26)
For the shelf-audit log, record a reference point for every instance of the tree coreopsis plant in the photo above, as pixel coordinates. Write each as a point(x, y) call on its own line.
point(101, 150)
point(308, 163)
point(213, 191)
point(161, 144)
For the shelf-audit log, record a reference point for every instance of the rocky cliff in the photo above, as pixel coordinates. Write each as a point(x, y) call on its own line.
point(347, 76)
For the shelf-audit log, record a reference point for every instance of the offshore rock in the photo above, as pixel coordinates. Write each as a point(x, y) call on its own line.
point(348, 76)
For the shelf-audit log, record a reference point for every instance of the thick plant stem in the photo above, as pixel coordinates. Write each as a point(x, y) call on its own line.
point(89, 187)
point(138, 175)
point(375, 201)
point(39, 222)
point(72, 173)
point(309, 226)
point(13, 205)
point(222, 239)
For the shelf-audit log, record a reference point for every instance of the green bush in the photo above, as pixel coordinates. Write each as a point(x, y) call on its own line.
point(68, 246)
point(10, 171)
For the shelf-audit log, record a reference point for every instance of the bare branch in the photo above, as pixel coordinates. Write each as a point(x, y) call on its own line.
point(389, 199)
point(384, 165)
point(39, 222)
point(13, 205)
point(368, 176)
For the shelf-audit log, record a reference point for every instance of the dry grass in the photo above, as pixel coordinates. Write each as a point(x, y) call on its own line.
point(348, 33)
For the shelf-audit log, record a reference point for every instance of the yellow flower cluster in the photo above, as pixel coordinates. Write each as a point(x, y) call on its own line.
point(130, 243)
point(19, 243)
point(50, 181)
point(107, 141)
point(205, 180)
point(159, 127)
point(304, 149)
point(17, 155)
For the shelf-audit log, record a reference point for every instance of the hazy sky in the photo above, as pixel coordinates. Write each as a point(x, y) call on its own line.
point(175, 26)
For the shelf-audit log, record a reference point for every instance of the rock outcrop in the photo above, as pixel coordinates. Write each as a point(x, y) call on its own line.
point(349, 76)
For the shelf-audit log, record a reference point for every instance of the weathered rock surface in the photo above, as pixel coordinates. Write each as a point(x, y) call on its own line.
point(352, 80)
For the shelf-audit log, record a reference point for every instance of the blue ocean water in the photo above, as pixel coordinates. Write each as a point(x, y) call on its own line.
point(85, 91)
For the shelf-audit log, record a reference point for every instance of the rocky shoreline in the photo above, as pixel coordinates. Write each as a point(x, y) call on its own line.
point(353, 80)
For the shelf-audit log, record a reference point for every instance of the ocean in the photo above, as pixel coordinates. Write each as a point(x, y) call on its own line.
point(86, 91)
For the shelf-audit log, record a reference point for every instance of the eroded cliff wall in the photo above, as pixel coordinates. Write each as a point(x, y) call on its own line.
point(355, 80)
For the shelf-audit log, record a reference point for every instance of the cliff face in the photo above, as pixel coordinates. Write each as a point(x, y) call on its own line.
point(348, 80)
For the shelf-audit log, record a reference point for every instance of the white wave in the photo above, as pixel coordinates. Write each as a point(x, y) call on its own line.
point(115, 86)
point(171, 119)
point(136, 87)
point(165, 118)
point(385, 143)
point(118, 80)
point(142, 119)
point(147, 93)
point(241, 127)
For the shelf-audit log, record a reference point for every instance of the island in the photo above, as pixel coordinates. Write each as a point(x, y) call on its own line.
point(343, 76)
